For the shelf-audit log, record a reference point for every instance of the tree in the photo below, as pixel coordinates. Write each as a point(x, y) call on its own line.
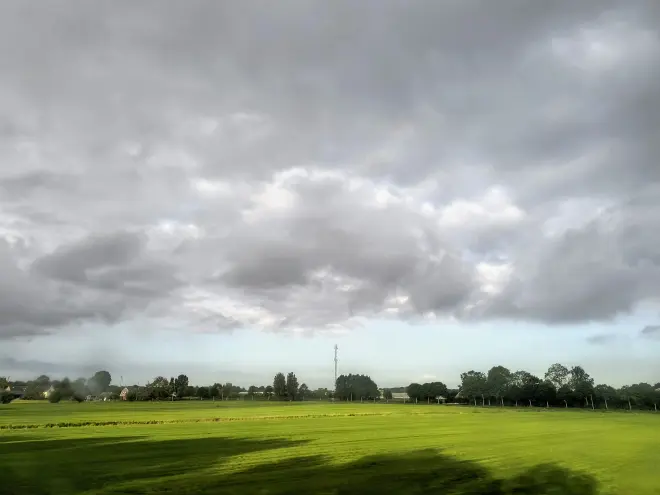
point(581, 384)
point(268, 391)
point(4, 383)
point(605, 393)
point(497, 382)
point(181, 385)
point(530, 387)
point(5, 397)
point(355, 387)
point(516, 389)
point(387, 394)
point(99, 383)
point(291, 386)
point(303, 391)
point(214, 390)
point(252, 389)
point(546, 392)
point(55, 396)
point(426, 391)
point(558, 375)
point(159, 388)
point(414, 391)
point(473, 385)
point(279, 385)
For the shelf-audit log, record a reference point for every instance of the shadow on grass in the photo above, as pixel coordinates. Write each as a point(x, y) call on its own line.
point(130, 465)
point(68, 466)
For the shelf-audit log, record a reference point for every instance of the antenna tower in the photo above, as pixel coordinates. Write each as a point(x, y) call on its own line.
point(335, 382)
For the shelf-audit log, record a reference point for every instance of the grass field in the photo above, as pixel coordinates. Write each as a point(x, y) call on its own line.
point(320, 448)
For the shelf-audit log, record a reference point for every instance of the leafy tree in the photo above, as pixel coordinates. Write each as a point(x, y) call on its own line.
point(291, 386)
point(99, 383)
point(214, 390)
point(547, 392)
point(181, 385)
point(604, 393)
point(268, 391)
point(4, 383)
point(55, 396)
point(473, 385)
point(414, 391)
point(6, 397)
point(565, 394)
point(203, 393)
point(531, 387)
point(387, 394)
point(355, 387)
point(426, 391)
point(581, 384)
point(303, 391)
point(160, 388)
point(516, 389)
point(625, 395)
point(279, 385)
point(558, 375)
point(252, 389)
point(497, 382)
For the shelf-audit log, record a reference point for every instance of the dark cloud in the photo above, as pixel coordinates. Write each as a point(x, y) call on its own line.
point(322, 163)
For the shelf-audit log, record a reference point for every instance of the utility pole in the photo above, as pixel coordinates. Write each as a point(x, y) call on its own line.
point(334, 395)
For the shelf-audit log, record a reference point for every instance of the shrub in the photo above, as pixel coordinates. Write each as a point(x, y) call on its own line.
point(6, 397)
point(55, 396)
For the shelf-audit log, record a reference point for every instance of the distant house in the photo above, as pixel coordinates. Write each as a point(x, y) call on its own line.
point(400, 396)
point(123, 395)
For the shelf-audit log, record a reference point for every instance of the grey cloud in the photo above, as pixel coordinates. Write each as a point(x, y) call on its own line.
point(602, 339)
point(107, 126)
point(651, 331)
point(115, 262)
point(31, 304)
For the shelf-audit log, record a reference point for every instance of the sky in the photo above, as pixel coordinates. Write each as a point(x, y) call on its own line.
point(228, 190)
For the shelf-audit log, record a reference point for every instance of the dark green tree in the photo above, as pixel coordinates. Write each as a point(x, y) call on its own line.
point(558, 375)
point(291, 386)
point(279, 386)
point(473, 385)
point(497, 383)
point(99, 383)
point(181, 385)
point(355, 387)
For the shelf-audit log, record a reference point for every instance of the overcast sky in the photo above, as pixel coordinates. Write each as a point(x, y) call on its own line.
point(228, 189)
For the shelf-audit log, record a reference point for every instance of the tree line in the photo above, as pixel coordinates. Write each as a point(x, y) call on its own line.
point(561, 386)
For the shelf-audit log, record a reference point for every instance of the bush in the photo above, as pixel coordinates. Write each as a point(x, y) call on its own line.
point(6, 397)
point(55, 396)
point(78, 398)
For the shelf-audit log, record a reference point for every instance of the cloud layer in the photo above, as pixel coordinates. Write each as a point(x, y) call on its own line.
point(307, 168)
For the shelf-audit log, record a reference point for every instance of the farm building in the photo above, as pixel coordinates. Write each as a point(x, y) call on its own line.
point(400, 396)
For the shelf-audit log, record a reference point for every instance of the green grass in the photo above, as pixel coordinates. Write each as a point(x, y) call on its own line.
point(319, 448)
